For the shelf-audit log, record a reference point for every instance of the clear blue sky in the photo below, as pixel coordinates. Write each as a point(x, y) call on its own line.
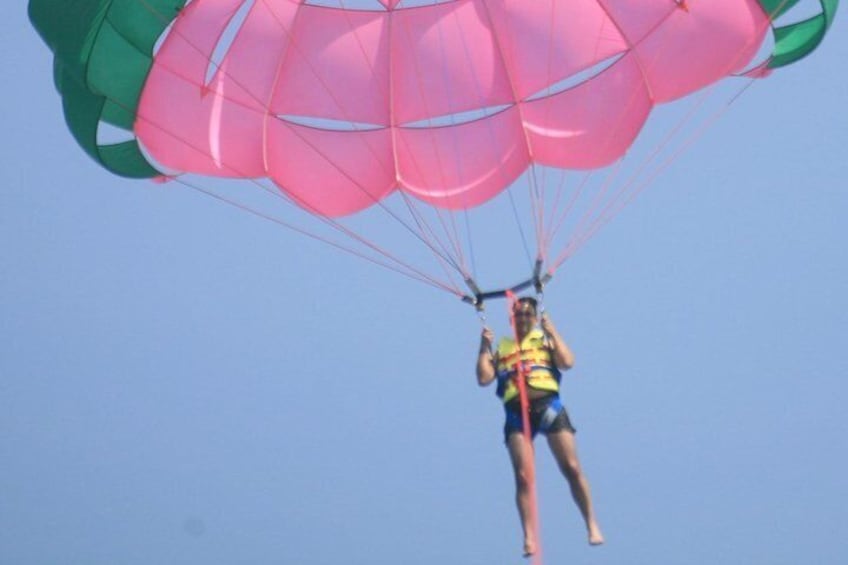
point(181, 383)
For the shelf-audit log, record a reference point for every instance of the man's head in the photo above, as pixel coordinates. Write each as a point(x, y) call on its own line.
point(524, 312)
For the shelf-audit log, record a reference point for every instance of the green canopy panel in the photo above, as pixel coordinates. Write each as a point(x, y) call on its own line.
point(103, 52)
point(797, 40)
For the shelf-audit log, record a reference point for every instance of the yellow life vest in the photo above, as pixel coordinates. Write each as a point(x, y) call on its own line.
point(535, 354)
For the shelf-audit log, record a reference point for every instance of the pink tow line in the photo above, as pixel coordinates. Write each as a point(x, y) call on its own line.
point(521, 382)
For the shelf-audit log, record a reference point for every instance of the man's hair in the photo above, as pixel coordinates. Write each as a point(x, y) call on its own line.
point(527, 300)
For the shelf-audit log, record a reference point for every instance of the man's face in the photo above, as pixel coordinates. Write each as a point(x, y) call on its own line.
point(525, 318)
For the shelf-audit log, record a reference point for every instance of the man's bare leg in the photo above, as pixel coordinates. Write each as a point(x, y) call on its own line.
point(564, 449)
point(521, 456)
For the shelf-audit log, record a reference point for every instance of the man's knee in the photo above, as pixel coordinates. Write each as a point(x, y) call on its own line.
point(571, 468)
point(523, 478)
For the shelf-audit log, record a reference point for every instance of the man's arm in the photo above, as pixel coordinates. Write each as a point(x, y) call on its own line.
point(562, 354)
point(486, 359)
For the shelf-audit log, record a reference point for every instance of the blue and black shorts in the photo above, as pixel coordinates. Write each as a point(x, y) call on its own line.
point(547, 414)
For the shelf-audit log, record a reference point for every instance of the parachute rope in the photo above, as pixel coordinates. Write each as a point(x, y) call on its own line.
point(411, 272)
point(639, 181)
point(452, 237)
point(322, 218)
point(684, 146)
point(537, 206)
point(427, 232)
point(533, 194)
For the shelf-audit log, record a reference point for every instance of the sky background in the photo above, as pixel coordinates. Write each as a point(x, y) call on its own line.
point(182, 383)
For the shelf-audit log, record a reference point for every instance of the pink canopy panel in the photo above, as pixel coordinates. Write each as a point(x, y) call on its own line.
point(448, 101)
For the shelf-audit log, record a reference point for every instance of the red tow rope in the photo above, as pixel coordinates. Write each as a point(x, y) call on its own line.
point(521, 383)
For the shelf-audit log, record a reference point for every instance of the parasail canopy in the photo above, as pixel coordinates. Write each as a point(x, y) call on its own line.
point(341, 104)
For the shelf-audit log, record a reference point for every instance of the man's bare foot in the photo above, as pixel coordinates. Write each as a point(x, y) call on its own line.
point(529, 548)
point(595, 535)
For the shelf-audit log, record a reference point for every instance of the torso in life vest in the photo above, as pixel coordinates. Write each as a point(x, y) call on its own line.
point(542, 373)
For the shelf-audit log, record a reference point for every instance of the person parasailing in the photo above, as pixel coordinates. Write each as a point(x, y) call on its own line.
point(543, 352)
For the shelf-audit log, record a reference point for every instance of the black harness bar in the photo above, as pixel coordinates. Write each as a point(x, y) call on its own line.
point(478, 297)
